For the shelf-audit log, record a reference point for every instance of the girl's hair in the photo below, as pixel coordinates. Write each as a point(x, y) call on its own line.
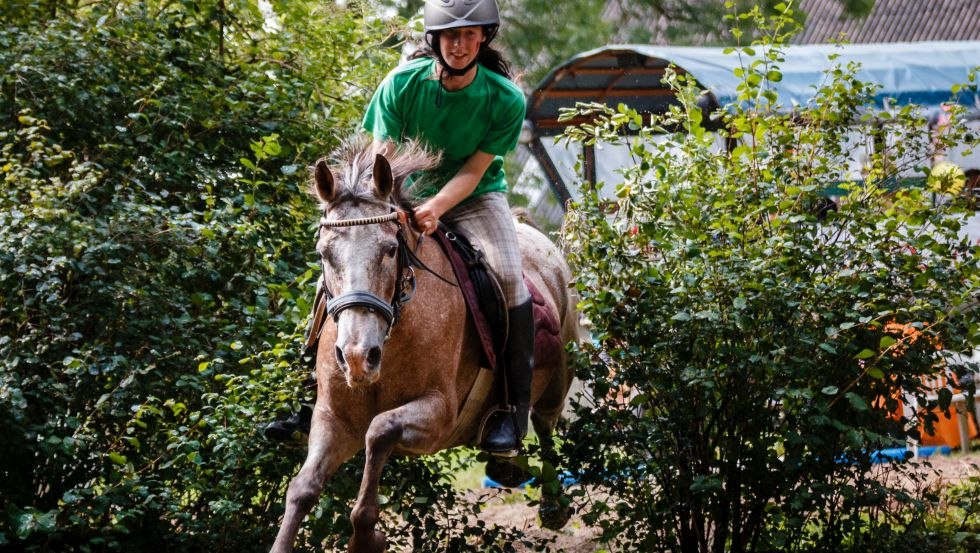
point(489, 57)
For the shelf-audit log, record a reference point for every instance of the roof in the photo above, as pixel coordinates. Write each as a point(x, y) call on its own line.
point(922, 73)
point(825, 21)
point(891, 21)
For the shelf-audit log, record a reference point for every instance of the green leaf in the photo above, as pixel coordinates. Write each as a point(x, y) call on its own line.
point(886, 342)
point(117, 458)
point(856, 401)
point(864, 354)
point(945, 398)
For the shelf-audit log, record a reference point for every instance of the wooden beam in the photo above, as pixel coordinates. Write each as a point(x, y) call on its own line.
point(588, 165)
point(598, 93)
point(558, 186)
point(612, 71)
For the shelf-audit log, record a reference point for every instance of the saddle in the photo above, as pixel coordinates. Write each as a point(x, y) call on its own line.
point(485, 303)
point(482, 293)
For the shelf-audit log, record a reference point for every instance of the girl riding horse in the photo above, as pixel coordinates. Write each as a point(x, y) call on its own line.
point(457, 98)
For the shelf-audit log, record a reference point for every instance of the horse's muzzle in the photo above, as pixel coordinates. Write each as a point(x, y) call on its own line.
point(361, 366)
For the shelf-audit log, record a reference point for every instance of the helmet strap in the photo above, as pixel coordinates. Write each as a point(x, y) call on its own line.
point(490, 31)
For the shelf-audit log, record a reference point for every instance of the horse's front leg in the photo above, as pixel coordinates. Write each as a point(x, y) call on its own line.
point(415, 428)
point(330, 444)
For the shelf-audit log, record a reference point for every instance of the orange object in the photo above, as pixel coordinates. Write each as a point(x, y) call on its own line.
point(947, 430)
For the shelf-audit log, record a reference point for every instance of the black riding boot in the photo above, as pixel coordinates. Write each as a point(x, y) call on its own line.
point(506, 431)
point(286, 430)
point(299, 422)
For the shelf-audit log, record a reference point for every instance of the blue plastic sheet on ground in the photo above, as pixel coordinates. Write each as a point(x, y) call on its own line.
point(902, 453)
point(567, 479)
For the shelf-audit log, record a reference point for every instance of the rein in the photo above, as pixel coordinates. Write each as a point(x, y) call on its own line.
point(404, 289)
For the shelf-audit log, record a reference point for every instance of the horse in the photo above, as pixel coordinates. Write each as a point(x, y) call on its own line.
point(397, 353)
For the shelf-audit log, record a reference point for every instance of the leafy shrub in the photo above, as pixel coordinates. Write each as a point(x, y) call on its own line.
point(751, 344)
point(945, 520)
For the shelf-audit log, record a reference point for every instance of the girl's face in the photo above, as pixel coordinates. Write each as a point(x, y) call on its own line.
point(460, 46)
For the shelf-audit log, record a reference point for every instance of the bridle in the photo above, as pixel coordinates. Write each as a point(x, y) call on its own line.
point(405, 286)
point(390, 311)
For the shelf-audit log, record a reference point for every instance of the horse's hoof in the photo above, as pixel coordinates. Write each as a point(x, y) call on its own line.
point(505, 473)
point(553, 513)
point(375, 542)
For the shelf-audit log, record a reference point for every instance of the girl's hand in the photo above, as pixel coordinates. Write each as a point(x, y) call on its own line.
point(456, 190)
point(427, 215)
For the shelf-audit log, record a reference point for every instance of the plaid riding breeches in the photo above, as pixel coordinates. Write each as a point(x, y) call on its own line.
point(488, 221)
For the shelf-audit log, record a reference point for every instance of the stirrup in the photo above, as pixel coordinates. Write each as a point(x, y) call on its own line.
point(509, 415)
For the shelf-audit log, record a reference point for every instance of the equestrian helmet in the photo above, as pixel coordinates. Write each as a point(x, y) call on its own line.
point(449, 14)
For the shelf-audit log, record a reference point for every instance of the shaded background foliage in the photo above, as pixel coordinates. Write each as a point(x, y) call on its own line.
point(155, 269)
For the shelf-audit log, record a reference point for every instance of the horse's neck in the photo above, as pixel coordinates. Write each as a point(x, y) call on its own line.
point(434, 329)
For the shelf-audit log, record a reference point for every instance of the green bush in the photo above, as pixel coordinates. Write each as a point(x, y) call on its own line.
point(750, 344)
point(946, 520)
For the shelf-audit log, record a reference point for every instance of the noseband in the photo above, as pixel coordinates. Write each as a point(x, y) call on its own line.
point(404, 289)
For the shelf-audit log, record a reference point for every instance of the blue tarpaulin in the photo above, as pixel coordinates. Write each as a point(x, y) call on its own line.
point(921, 73)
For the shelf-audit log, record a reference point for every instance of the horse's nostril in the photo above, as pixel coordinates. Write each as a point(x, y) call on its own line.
point(374, 356)
point(340, 356)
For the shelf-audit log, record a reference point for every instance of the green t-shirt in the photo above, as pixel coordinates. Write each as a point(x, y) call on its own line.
point(486, 115)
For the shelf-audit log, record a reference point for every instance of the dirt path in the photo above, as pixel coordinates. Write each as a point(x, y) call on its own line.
point(508, 509)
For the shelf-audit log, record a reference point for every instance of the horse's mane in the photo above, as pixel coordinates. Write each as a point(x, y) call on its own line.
point(352, 164)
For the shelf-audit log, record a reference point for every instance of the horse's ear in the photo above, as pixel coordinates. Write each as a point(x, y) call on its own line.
point(323, 181)
point(383, 179)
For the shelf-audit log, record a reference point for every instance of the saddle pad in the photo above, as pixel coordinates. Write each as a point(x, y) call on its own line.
point(547, 344)
point(548, 348)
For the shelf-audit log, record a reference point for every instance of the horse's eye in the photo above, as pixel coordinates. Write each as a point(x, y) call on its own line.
point(389, 250)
